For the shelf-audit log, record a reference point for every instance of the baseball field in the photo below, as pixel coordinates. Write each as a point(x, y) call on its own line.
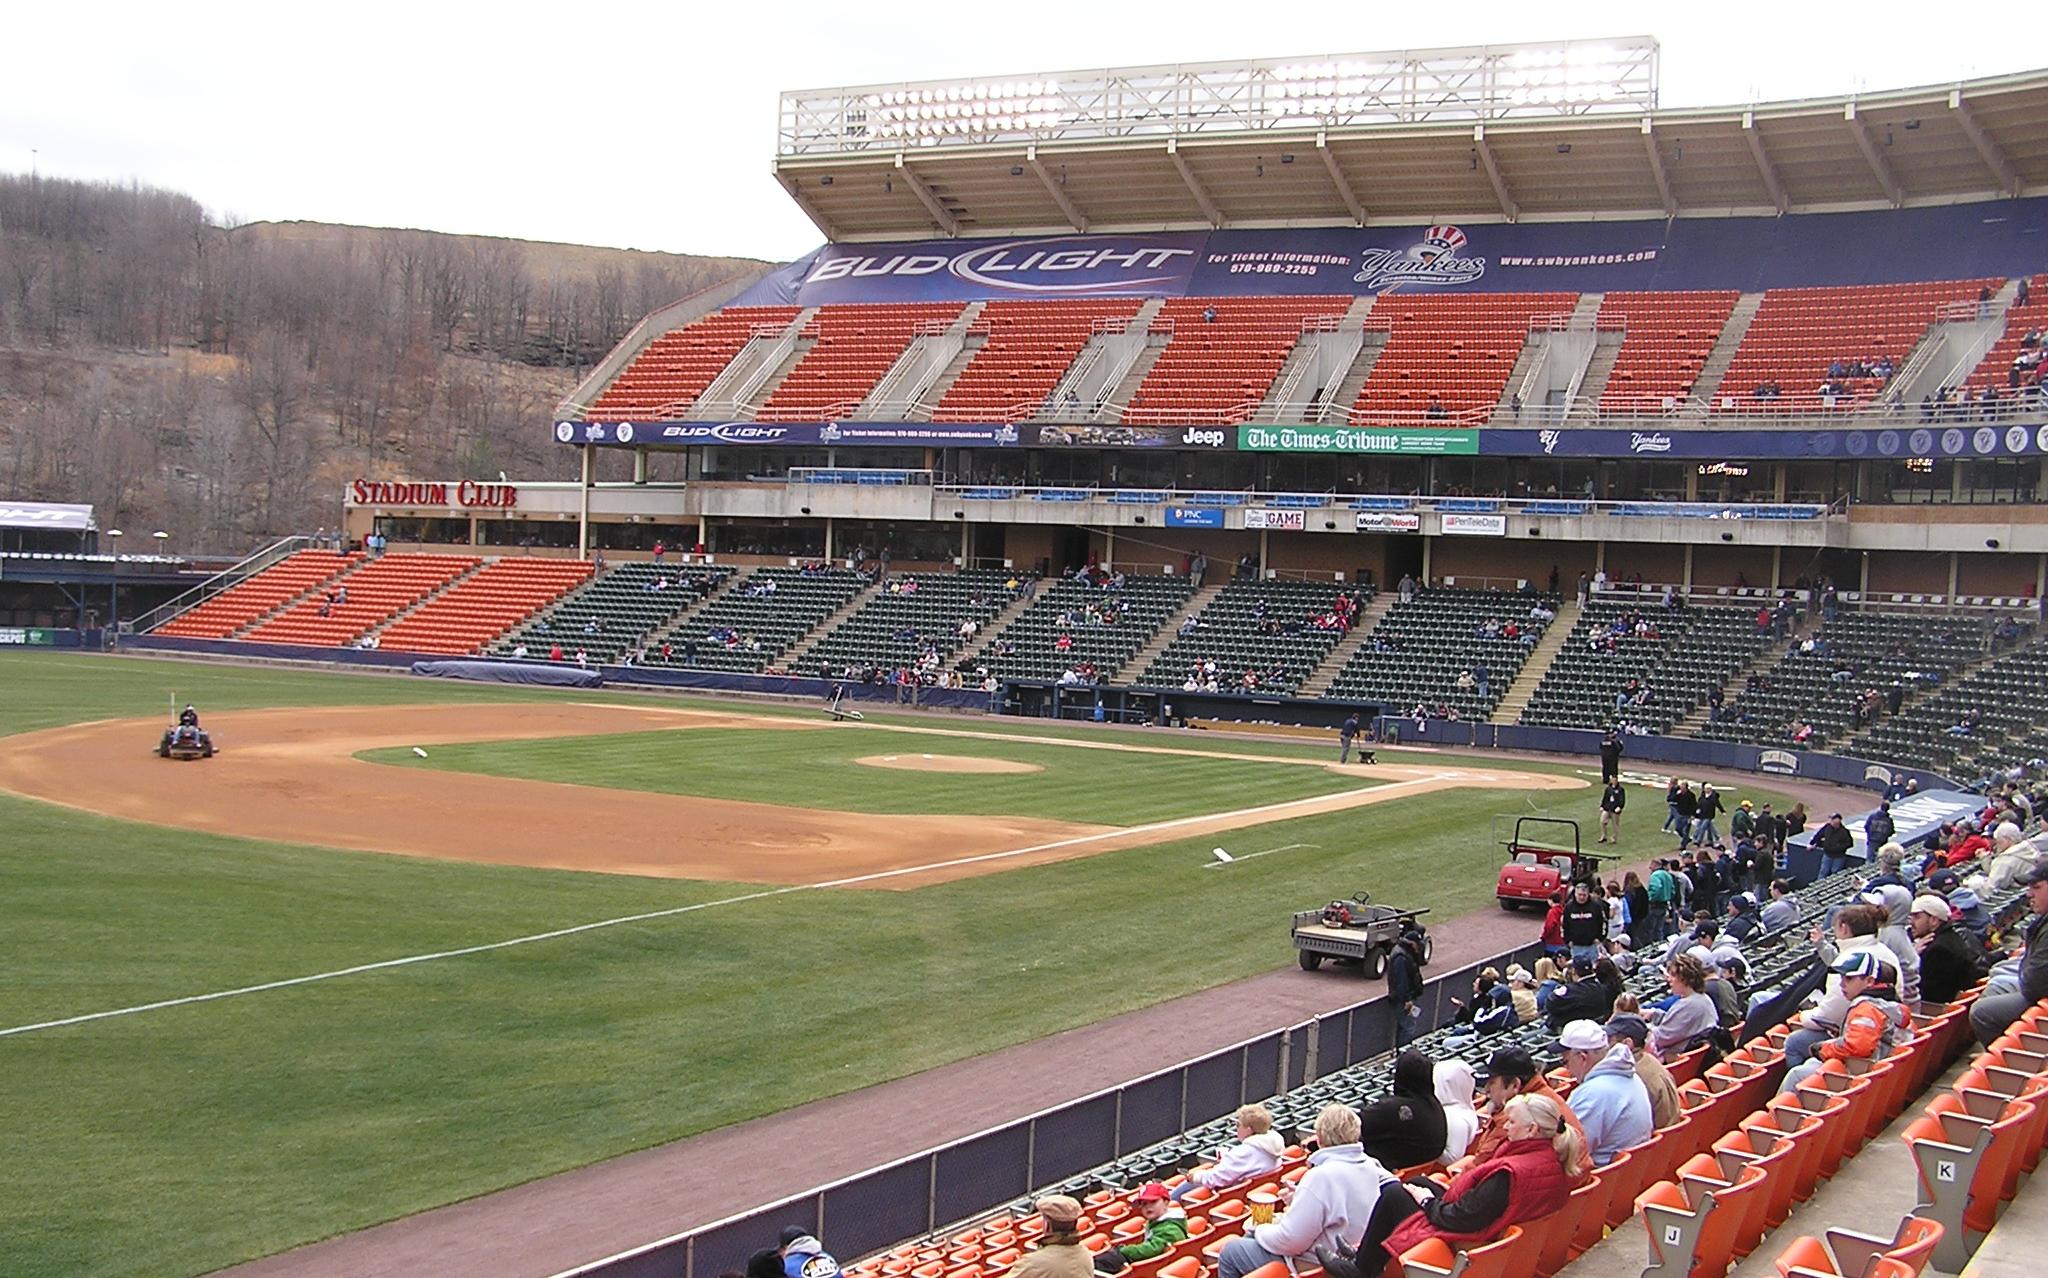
point(404, 942)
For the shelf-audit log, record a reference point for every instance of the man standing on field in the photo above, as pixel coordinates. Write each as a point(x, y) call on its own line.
point(1346, 734)
point(1612, 800)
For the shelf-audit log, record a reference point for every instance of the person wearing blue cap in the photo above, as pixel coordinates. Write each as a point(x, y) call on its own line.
point(1873, 1020)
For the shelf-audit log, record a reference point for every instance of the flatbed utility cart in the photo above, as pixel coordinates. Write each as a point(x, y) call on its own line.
point(1538, 868)
point(1355, 931)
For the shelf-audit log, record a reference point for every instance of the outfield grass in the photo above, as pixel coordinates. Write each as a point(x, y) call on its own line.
point(820, 770)
point(178, 1141)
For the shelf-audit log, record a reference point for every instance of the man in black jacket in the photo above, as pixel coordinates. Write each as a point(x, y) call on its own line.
point(1583, 998)
point(1991, 1014)
point(1585, 923)
point(1612, 800)
point(1610, 755)
point(1833, 842)
point(1404, 986)
point(1688, 805)
point(1950, 960)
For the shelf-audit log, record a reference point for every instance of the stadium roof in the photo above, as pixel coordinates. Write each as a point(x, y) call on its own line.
point(1504, 133)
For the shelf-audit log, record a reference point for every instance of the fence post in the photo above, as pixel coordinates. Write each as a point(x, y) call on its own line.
point(1183, 1098)
point(690, 1256)
point(931, 1193)
point(1286, 1055)
point(1315, 1042)
point(1117, 1131)
point(1031, 1154)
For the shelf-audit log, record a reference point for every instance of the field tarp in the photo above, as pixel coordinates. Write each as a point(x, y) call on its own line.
point(517, 672)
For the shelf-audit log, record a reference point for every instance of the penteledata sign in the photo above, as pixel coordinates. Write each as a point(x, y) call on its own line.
point(1357, 439)
point(1475, 525)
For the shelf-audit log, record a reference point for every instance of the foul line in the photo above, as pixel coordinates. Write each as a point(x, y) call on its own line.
point(850, 881)
point(1253, 856)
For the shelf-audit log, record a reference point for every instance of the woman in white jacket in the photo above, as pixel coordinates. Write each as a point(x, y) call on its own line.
point(1256, 1153)
point(1330, 1205)
point(1455, 1086)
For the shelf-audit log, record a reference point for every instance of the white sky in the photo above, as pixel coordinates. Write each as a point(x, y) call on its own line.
point(652, 126)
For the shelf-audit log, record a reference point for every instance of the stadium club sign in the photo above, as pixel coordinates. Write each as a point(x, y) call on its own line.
point(1870, 247)
point(466, 495)
point(1357, 439)
point(1716, 444)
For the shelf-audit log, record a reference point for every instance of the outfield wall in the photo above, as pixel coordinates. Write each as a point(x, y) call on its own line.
point(956, 1182)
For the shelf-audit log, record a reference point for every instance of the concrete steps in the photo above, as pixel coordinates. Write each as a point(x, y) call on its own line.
point(1156, 646)
point(792, 659)
point(1516, 698)
point(1599, 369)
point(993, 631)
point(378, 630)
point(1338, 406)
point(319, 588)
point(660, 634)
point(1319, 680)
point(1709, 383)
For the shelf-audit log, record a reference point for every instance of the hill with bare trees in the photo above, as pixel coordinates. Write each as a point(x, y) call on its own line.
point(224, 382)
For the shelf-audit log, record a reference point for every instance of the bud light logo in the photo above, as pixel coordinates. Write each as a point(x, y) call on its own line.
point(1051, 267)
point(1434, 260)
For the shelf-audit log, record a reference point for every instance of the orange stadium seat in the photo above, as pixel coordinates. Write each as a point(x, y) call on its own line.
point(1453, 349)
point(1218, 370)
point(251, 598)
point(1798, 332)
point(666, 377)
point(1029, 347)
point(502, 594)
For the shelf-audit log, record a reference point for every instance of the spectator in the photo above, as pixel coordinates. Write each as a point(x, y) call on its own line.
point(1870, 1020)
point(1708, 809)
point(1662, 892)
point(1256, 1153)
point(1059, 1253)
point(1329, 1206)
point(1657, 1081)
point(1165, 1225)
point(1529, 1177)
point(1855, 930)
point(1689, 1019)
point(1406, 1127)
point(1833, 841)
point(1454, 1091)
point(1636, 902)
point(1404, 987)
point(1512, 1072)
point(1612, 800)
point(1950, 961)
point(1611, 1102)
point(1584, 923)
point(1897, 935)
point(1583, 998)
point(1685, 807)
point(1991, 1014)
point(1879, 827)
point(803, 1256)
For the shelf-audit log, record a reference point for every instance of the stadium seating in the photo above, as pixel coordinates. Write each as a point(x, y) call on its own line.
point(377, 591)
point(503, 593)
point(1029, 647)
point(1420, 647)
point(1799, 332)
point(1995, 370)
point(2010, 696)
point(1450, 349)
point(1218, 369)
point(1666, 339)
point(759, 618)
point(612, 614)
point(854, 349)
point(1229, 633)
point(1030, 347)
point(242, 603)
point(1869, 650)
point(664, 379)
point(914, 614)
point(1696, 650)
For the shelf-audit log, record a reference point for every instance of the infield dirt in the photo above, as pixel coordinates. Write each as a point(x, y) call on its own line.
point(291, 775)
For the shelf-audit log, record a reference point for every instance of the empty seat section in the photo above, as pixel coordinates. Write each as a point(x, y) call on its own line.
point(380, 589)
point(1276, 631)
point(913, 622)
point(1666, 338)
point(502, 594)
point(613, 614)
point(664, 379)
point(854, 348)
point(1799, 334)
point(1102, 628)
point(1030, 346)
point(1419, 649)
point(1618, 649)
point(758, 619)
point(1990, 720)
point(1451, 349)
point(1223, 355)
point(246, 600)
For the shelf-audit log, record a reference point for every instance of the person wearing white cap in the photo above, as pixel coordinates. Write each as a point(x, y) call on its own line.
point(1947, 965)
point(1612, 1104)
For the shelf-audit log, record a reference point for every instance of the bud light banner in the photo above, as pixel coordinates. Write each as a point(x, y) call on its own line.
point(796, 434)
point(1964, 241)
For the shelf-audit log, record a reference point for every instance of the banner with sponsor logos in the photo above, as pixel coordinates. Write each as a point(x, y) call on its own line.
point(1384, 521)
point(28, 637)
point(1356, 439)
point(1102, 435)
point(1964, 241)
point(797, 434)
point(1932, 440)
point(1275, 520)
point(1193, 517)
point(1475, 525)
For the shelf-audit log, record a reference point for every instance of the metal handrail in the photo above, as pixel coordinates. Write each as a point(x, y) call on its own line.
point(220, 581)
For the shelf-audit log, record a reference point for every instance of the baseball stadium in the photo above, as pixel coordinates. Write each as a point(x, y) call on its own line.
point(1375, 663)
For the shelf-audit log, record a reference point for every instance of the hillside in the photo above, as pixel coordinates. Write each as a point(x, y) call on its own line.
point(223, 383)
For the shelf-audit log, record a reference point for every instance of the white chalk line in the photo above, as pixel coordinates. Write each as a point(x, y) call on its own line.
point(850, 881)
point(1253, 856)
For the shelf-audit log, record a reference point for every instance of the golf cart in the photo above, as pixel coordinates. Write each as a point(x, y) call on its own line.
point(1355, 931)
point(1537, 871)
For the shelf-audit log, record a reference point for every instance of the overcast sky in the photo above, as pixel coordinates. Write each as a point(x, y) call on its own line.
point(654, 126)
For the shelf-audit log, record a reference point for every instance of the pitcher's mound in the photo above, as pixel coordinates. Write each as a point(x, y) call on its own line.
point(944, 763)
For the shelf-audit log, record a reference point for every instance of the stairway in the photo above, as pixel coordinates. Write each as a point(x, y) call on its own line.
point(1516, 698)
point(1319, 680)
point(1708, 384)
point(1337, 408)
point(1119, 397)
point(936, 392)
point(1606, 349)
point(1156, 646)
point(994, 631)
point(1534, 348)
point(378, 630)
point(792, 659)
point(655, 637)
point(745, 380)
point(1765, 657)
point(321, 588)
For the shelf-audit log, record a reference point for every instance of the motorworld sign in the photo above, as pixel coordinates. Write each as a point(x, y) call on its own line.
point(1357, 439)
